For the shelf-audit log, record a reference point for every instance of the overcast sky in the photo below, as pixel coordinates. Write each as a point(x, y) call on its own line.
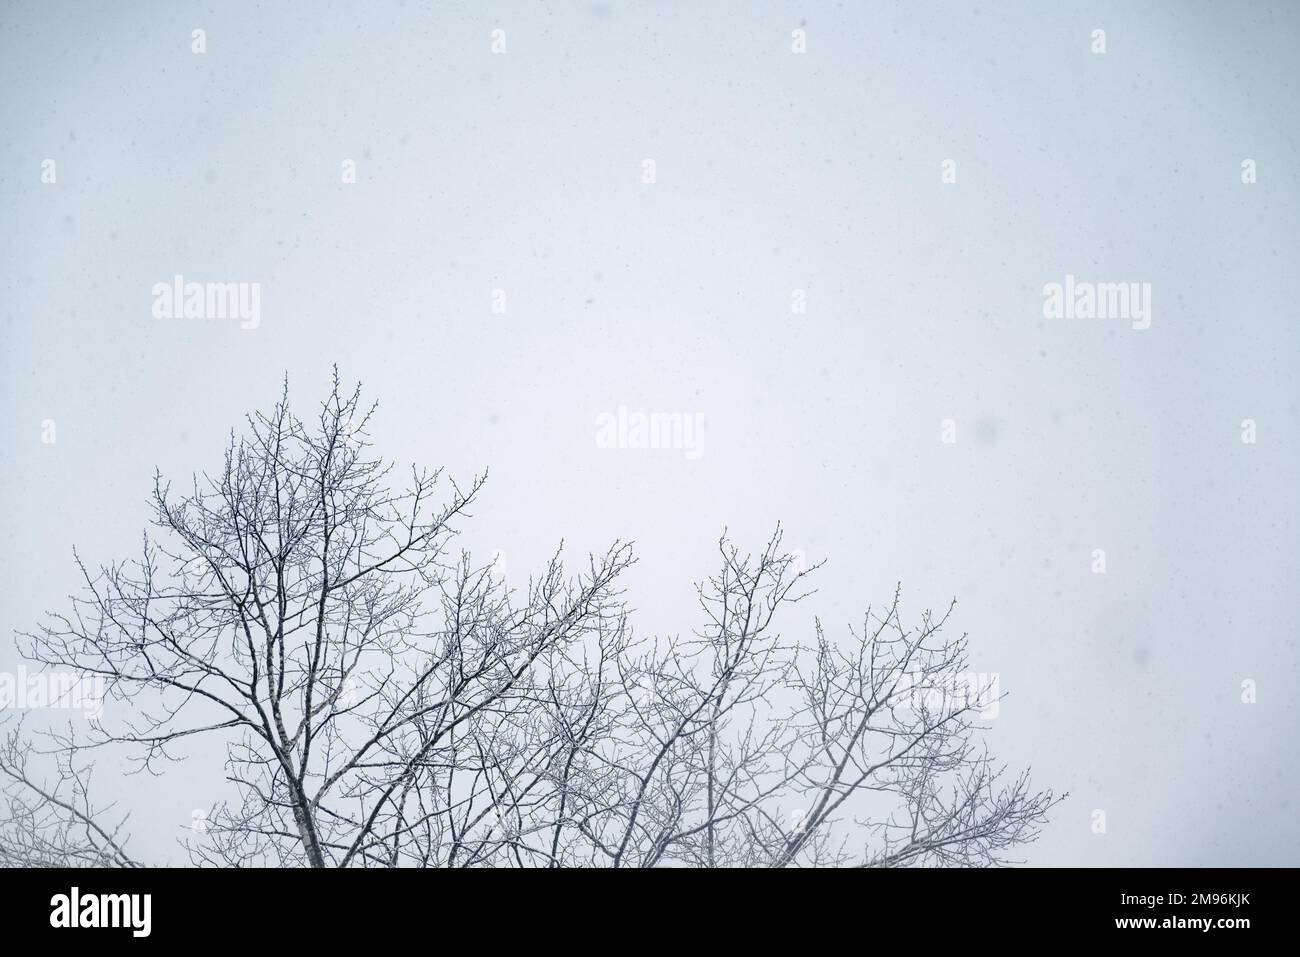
point(780, 180)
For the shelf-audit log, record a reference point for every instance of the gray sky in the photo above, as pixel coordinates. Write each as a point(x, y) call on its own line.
point(774, 172)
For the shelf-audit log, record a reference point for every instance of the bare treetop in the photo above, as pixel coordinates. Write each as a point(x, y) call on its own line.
point(385, 701)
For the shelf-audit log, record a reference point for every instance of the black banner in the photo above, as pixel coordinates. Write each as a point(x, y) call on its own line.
point(1156, 907)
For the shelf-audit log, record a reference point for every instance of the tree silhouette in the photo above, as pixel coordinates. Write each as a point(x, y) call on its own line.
point(383, 701)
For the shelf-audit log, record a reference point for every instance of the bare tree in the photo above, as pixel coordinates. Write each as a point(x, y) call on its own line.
point(385, 702)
